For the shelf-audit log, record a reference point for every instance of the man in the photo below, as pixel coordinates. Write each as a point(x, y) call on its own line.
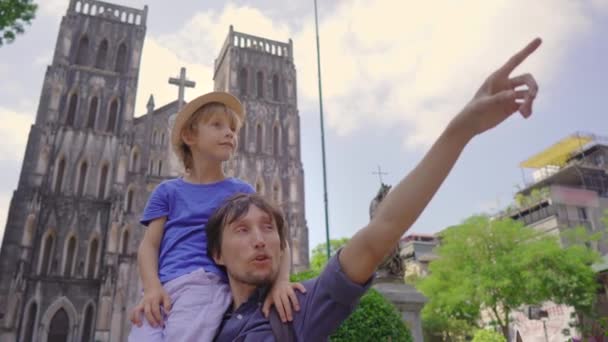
point(247, 236)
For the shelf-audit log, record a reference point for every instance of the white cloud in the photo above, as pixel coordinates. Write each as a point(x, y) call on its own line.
point(407, 63)
point(195, 46)
point(15, 129)
point(416, 63)
point(52, 8)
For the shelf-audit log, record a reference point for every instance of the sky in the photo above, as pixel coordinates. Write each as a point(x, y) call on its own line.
point(394, 73)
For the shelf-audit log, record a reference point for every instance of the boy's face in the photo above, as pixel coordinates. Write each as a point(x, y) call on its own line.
point(215, 138)
point(251, 248)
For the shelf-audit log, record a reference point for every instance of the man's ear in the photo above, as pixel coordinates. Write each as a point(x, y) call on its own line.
point(218, 259)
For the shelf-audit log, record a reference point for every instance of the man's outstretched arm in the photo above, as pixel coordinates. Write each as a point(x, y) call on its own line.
point(498, 98)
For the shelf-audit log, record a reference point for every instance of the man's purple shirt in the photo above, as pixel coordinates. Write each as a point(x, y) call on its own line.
point(330, 299)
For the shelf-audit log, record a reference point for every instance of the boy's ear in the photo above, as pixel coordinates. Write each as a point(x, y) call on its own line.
point(187, 137)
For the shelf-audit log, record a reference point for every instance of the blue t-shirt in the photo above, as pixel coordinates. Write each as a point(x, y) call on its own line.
point(187, 207)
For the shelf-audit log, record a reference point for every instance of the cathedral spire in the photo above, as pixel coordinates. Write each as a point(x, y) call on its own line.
point(150, 104)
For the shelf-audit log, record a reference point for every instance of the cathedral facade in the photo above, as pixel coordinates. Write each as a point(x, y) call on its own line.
point(68, 262)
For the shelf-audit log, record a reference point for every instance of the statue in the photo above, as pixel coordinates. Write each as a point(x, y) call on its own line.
point(392, 268)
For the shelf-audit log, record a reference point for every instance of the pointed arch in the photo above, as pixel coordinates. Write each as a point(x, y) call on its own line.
point(275, 87)
point(82, 178)
point(121, 65)
point(92, 258)
point(70, 116)
point(275, 140)
point(93, 109)
point(102, 55)
point(69, 255)
point(134, 160)
point(259, 138)
point(28, 327)
point(243, 81)
point(47, 248)
point(82, 55)
point(103, 180)
point(112, 116)
point(58, 321)
point(260, 84)
point(124, 240)
point(129, 198)
point(88, 327)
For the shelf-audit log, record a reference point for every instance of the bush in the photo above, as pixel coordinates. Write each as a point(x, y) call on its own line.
point(484, 335)
point(375, 319)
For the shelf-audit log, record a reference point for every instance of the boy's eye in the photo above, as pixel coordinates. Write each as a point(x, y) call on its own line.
point(269, 227)
point(241, 229)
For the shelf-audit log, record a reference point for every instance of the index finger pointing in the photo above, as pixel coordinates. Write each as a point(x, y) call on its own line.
point(519, 57)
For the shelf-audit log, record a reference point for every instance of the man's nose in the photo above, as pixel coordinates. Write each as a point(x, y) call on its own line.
point(258, 239)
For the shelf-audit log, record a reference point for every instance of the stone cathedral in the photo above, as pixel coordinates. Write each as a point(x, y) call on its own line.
point(68, 260)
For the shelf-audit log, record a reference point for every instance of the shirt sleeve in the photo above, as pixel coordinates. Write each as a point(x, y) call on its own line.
point(157, 206)
point(329, 300)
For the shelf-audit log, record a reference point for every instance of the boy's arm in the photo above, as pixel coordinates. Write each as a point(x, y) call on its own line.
point(147, 260)
point(496, 100)
point(285, 264)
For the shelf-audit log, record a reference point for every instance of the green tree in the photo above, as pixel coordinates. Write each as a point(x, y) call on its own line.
point(14, 15)
point(484, 335)
point(497, 266)
point(319, 253)
point(374, 319)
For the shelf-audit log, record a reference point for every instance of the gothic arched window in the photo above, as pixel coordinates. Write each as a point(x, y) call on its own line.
point(260, 84)
point(71, 115)
point(258, 138)
point(59, 329)
point(243, 81)
point(70, 253)
point(92, 258)
point(87, 329)
point(121, 59)
point(102, 55)
point(275, 87)
point(59, 175)
point(83, 51)
point(92, 113)
point(82, 177)
point(112, 116)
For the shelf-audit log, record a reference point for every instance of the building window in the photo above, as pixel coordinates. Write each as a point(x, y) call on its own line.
point(121, 59)
point(258, 137)
point(103, 180)
point(71, 115)
point(87, 329)
point(275, 87)
point(102, 54)
point(92, 258)
point(582, 214)
point(160, 167)
point(133, 166)
point(124, 248)
point(275, 140)
point(260, 84)
point(82, 176)
point(112, 116)
point(92, 113)
point(30, 323)
point(59, 175)
point(83, 51)
point(69, 257)
point(47, 248)
point(59, 329)
point(243, 81)
point(129, 201)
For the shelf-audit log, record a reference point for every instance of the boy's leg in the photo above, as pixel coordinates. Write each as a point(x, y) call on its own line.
point(199, 302)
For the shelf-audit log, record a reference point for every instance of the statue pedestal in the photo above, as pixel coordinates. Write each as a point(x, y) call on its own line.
point(408, 301)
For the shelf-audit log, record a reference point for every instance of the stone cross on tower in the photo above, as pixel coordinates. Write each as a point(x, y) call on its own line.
point(182, 83)
point(380, 173)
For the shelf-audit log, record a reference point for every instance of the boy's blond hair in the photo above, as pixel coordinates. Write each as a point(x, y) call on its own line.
point(203, 115)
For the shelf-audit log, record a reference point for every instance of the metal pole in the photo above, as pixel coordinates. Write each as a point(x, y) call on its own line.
point(322, 134)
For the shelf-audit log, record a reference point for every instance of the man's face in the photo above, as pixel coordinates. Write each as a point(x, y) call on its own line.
point(251, 248)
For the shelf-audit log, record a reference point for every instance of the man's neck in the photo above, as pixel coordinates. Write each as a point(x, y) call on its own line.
point(240, 293)
point(204, 172)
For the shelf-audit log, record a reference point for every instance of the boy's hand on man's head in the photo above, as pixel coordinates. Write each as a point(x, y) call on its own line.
point(283, 297)
point(500, 96)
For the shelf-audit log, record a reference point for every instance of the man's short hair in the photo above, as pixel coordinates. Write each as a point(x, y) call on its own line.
point(233, 209)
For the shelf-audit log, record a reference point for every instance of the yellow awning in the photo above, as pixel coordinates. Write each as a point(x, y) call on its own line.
point(559, 153)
